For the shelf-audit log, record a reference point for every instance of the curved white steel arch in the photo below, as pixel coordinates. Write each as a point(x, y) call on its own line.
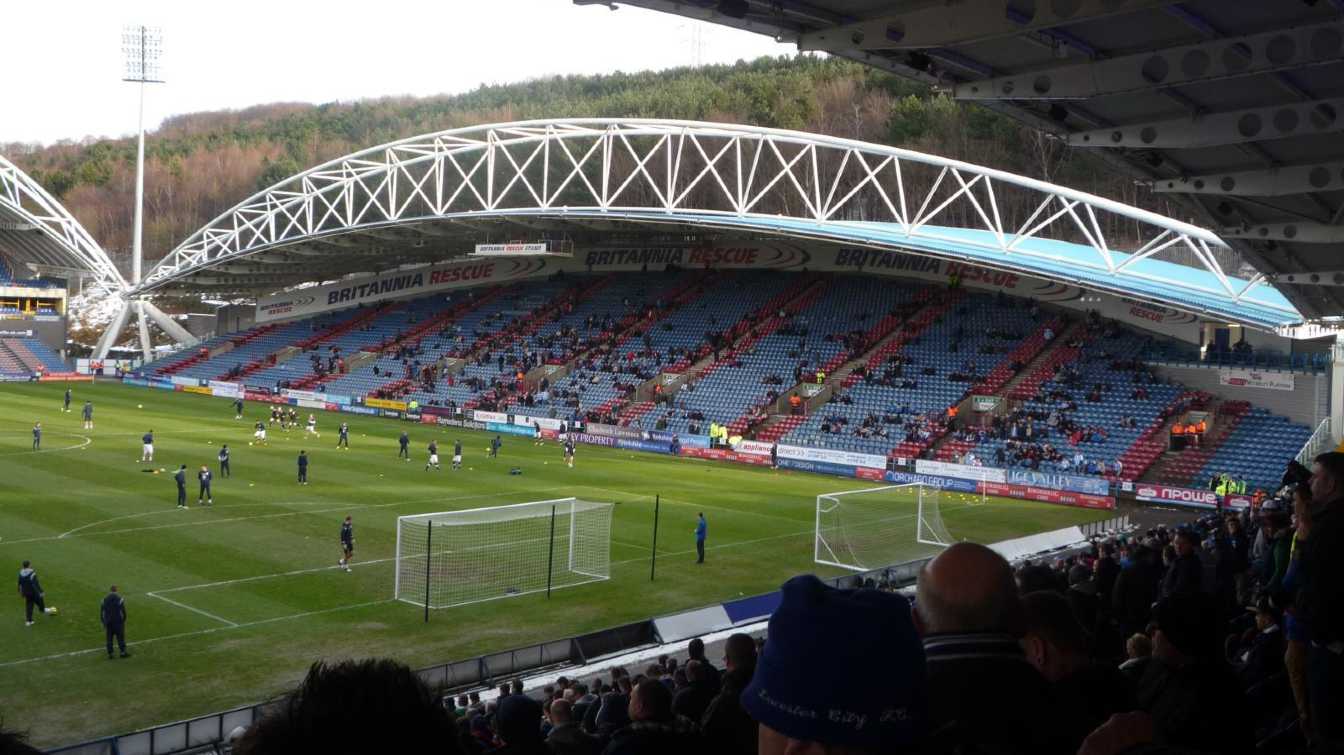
point(664, 168)
point(23, 197)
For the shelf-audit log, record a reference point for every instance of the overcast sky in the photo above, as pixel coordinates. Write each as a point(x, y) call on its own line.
point(220, 55)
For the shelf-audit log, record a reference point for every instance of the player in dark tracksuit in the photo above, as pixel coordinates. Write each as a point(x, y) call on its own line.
point(405, 441)
point(701, 531)
point(343, 436)
point(113, 615)
point(88, 415)
point(224, 470)
point(303, 467)
point(180, 477)
point(31, 591)
point(37, 436)
point(204, 477)
point(67, 400)
point(494, 446)
point(347, 543)
point(237, 408)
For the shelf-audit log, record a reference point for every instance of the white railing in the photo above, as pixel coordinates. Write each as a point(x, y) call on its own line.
point(1320, 441)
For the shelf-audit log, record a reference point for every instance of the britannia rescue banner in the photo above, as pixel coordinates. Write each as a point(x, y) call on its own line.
point(403, 284)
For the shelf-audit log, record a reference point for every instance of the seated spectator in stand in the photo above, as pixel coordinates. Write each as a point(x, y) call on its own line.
point(982, 691)
point(565, 737)
point(692, 701)
point(1087, 692)
point(1138, 653)
point(726, 725)
point(1257, 653)
point(518, 725)
point(1193, 697)
point(842, 672)
point(1185, 574)
point(654, 729)
point(695, 651)
point(370, 706)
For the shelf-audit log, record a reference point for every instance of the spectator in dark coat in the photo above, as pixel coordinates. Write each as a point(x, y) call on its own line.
point(982, 691)
point(1193, 697)
point(1257, 654)
point(1185, 575)
point(692, 701)
point(842, 671)
point(566, 738)
point(654, 729)
point(518, 726)
point(1136, 588)
point(1320, 600)
point(727, 726)
point(1087, 693)
point(695, 651)
point(113, 615)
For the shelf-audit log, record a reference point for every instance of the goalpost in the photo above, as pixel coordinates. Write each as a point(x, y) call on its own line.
point(452, 558)
point(877, 527)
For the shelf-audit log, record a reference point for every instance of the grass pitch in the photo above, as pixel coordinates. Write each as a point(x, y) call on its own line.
point(229, 605)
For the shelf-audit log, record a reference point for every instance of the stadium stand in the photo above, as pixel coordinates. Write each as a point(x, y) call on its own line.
point(1075, 394)
point(26, 356)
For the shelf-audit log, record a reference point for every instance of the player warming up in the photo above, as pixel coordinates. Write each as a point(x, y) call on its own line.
point(88, 415)
point(536, 434)
point(494, 447)
point(433, 455)
point(66, 408)
point(569, 453)
point(224, 470)
point(303, 467)
point(147, 450)
point(343, 436)
point(37, 436)
point(405, 443)
point(312, 425)
point(238, 408)
point(457, 454)
point(31, 592)
point(204, 496)
point(259, 434)
point(347, 543)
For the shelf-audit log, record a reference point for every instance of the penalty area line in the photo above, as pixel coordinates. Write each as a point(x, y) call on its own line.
point(206, 614)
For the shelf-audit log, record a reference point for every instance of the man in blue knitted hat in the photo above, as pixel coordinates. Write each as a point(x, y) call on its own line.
point(841, 669)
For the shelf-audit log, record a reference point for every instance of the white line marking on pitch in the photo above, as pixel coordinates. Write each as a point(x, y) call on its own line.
point(197, 633)
point(206, 614)
point(87, 441)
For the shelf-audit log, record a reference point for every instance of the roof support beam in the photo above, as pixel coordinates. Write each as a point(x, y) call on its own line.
point(1214, 129)
point(936, 25)
point(1297, 232)
point(1275, 182)
point(1284, 49)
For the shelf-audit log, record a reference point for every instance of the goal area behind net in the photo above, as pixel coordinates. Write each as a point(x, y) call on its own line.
point(453, 558)
point(878, 527)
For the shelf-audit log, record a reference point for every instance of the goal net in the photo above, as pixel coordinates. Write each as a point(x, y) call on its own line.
point(879, 527)
point(456, 557)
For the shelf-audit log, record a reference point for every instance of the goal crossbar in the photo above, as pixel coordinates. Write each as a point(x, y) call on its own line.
point(457, 557)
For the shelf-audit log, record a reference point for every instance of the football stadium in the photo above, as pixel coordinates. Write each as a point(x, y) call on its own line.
point(584, 434)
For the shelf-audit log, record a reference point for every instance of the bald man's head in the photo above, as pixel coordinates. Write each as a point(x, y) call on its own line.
point(968, 588)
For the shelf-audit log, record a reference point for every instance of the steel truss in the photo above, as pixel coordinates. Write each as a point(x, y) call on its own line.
point(20, 195)
point(665, 171)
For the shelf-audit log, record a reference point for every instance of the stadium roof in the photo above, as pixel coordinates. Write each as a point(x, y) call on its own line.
point(1235, 108)
point(35, 229)
point(599, 182)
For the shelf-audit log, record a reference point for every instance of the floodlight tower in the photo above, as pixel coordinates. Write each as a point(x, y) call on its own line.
point(142, 47)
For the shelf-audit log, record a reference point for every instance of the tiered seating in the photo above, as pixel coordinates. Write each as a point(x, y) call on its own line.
point(24, 356)
point(253, 348)
point(184, 358)
point(1256, 450)
point(725, 387)
point(1065, 397)
point(674, 342)
point(959, 343)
